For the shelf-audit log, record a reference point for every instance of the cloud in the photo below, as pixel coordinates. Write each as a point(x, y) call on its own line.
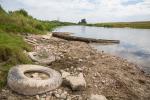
point(92, 10)
point(131, 2)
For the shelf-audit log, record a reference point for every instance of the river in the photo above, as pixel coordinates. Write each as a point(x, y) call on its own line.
point(134, 43)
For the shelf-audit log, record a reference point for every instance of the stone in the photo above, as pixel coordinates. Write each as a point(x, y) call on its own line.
point(68, 98)
point(63, 96)
point(80, 60)
point(75, 82)
point(64, 73)
point(69, 58)
point(80, 98)
point(89, 85)
point(94, 63)
point(67, 69)
point(12, 98)
point(43, 96)
point(95, 74)
point(95, 85)
point(97, 97)
point(87, 57)
point(48, 36)
point(42, 99)
point(3, 90)
point(35, 75)
point(48, 98)
point(37, 97)
point(79, 69)
point(72, 67)
point(103, 81)
point(49, 93)
point(57, 95)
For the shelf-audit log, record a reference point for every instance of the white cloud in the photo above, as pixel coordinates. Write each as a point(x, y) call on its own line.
point(74, 10)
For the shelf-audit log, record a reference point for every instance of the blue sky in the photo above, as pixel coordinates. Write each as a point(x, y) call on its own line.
point(92, 10)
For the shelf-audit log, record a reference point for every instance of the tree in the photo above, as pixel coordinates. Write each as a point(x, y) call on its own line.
point(83, 21)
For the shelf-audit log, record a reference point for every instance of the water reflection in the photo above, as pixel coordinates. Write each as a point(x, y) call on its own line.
point(83, 29)
point(134, 46)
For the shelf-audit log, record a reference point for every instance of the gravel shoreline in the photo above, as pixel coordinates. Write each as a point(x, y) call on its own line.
point(111, 76)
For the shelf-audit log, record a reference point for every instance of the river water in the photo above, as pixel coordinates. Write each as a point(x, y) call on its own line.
point(134, 43)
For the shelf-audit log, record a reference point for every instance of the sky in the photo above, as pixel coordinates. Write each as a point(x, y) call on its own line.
point(93, 10)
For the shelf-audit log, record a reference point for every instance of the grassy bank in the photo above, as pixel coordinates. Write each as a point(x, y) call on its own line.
point(11, 53)
point(140, 25)
point(12, 26)
point(20, 22)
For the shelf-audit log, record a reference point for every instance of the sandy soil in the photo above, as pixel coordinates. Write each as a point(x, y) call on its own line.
point(111, 76)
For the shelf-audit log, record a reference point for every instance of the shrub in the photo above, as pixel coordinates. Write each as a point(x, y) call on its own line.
point(21, 11)
point(40, 27)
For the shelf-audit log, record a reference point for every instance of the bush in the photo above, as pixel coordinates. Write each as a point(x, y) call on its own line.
point(40, 27)
point(22, 12)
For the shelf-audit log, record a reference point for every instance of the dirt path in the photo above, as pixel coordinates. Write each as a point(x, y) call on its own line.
point(107, 75)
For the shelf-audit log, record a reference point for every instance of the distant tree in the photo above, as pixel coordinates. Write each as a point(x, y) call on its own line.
point(83, 21)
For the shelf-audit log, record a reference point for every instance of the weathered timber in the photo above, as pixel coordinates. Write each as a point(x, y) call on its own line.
point(87, 40)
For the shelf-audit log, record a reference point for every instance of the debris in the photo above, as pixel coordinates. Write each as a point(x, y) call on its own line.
point(76, 82)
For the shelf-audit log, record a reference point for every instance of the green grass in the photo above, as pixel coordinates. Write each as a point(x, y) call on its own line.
point(140, 25)
point(12, 26)
point(11, 53)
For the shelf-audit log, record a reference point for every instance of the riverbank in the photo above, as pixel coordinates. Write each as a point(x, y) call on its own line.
point(137, 25)
point(111, 76)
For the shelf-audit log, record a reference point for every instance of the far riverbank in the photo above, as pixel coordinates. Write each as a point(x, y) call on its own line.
point(137, 25)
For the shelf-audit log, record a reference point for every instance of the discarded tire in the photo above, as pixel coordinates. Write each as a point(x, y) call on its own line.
point(22, 84)
point(34, 57)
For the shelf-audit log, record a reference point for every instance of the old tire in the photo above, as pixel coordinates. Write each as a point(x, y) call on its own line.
point(34, 57)
point(22, 84)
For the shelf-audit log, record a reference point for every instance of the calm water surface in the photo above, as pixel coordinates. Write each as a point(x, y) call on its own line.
point(134, 43)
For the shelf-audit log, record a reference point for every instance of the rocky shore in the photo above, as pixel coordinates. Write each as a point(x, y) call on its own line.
point(88, 74)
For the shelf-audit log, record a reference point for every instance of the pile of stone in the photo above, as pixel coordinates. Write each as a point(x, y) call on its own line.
point(77, 82)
